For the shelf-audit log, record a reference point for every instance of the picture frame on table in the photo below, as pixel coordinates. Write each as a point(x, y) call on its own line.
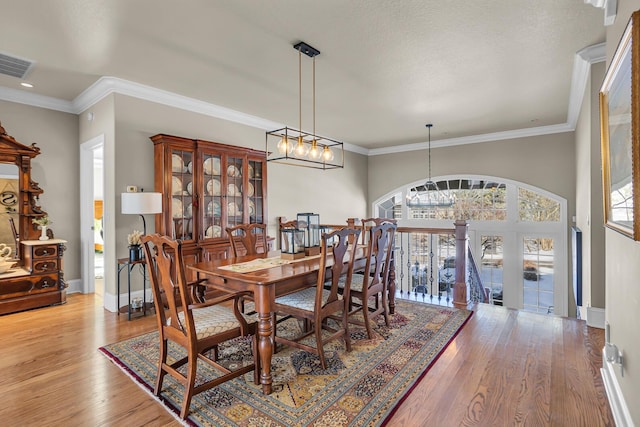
point(620, 134)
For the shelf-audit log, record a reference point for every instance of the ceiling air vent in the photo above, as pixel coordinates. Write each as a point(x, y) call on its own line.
point(14, 67)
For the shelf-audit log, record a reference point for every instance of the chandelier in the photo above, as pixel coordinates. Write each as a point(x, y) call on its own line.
point(297, 147)
point(429, 195)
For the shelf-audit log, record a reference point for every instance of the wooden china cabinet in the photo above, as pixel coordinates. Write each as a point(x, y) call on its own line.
point(206, 187)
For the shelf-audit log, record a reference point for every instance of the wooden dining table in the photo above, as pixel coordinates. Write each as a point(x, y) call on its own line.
point(276, 277)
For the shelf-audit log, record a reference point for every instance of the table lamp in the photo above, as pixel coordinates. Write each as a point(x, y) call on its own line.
point(141, 204)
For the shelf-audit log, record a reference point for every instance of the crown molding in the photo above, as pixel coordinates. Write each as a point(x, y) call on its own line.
point(582, 62)
point(610, 9)
point(475, 139)
point(107, 85)
point(36, 100)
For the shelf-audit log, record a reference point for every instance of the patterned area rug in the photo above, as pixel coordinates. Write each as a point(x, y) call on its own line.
point(359, 388)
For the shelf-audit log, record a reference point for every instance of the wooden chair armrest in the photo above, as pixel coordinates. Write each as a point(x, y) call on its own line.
point(214, 301)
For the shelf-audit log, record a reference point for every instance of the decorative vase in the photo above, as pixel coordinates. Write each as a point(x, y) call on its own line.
point(43, 233)
point(135, 253)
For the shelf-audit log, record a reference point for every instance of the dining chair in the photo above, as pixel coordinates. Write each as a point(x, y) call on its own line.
point(248, 239)
point(197, 327)
point(367, 223)
point(373, 283)
point(314, 305)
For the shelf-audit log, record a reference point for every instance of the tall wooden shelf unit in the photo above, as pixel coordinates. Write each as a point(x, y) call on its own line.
point(37, 279)
point(206, 187)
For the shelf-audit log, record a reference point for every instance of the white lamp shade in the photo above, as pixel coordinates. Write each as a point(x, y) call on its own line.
point(141, 203)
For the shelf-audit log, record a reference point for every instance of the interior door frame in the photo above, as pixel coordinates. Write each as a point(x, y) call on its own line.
point(87, 241)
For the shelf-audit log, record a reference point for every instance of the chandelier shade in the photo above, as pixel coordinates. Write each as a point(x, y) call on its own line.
point(296, 147)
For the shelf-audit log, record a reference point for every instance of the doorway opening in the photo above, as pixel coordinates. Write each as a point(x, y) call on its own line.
point(92, 215)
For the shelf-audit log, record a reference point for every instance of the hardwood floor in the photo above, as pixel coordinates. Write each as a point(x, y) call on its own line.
point(504, 368)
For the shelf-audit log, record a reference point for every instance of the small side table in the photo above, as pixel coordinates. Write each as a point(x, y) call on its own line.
point(130, 265)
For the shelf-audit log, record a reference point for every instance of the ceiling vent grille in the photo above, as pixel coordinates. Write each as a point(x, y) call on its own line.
point(14, 67)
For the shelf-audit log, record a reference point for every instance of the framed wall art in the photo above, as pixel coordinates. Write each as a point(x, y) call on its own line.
point(620, 127)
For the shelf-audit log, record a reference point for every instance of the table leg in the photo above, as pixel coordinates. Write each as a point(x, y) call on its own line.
point(129, 267)
point(118, 291)
point(263, 297)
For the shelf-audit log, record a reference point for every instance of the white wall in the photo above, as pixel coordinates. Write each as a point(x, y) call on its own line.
point(623, 271)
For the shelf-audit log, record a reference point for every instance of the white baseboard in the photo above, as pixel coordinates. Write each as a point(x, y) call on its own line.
point(110, 303)
point(595, 317)
point(74, 286)
point(619, 408)
point(582, 312)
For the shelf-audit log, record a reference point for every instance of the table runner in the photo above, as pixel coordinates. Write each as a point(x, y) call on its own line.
point(265, 263)
point(256, 264)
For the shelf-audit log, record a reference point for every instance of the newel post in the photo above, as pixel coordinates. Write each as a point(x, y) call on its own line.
point(461, 292)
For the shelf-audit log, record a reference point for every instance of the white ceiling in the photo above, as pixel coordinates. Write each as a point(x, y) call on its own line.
point(386, 68)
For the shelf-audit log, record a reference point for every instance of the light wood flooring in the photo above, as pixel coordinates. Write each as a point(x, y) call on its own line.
point(504, 368)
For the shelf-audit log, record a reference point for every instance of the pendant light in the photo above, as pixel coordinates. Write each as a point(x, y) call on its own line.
point(430, 196)
point(297, 147)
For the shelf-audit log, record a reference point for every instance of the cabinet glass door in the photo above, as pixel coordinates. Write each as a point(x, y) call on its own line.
point(182, 194)
point(254, 192)
point(212, 195)
point(235, 191)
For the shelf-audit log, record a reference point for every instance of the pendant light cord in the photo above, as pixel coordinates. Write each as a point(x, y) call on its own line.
point(429, 127)
point(314, 98)
point(300, 89)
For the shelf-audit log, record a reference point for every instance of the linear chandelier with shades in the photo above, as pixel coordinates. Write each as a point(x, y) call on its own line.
point(428, 195)
point(297, 147)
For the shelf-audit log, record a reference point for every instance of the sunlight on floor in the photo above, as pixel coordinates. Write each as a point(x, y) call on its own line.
point(99, 274)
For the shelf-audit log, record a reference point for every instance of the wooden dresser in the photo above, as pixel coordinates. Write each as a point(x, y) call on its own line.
point(39, 282)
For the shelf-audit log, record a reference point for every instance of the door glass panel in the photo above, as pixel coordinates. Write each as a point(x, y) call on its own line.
point(182, 194)
point(211, 196)
point(538, 273)
point(491, 267)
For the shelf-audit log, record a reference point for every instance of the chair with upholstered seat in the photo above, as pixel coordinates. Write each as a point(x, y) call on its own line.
point(373, 283)
point(248, 239)
point(197, 327)
point(316, 304)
